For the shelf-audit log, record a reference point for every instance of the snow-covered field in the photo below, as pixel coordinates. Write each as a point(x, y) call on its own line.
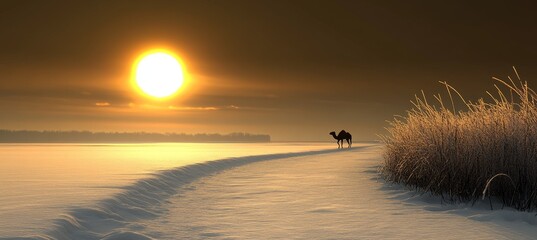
point(317, 193)
point(40, 182)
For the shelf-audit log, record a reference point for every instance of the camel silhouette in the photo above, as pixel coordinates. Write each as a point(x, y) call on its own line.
point(342, 136)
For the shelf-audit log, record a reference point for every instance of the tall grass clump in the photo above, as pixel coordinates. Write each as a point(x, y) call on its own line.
point(488, 149)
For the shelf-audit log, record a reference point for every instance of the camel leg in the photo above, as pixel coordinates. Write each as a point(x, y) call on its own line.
point(348, 142)
point(338, 144)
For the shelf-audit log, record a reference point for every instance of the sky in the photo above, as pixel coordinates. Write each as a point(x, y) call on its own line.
point(293, 69)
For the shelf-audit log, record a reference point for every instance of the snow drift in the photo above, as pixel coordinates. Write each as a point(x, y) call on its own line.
point(144, 199)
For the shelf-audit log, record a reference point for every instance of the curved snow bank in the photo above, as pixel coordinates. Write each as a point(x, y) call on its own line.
point(144, 199)
point(330, 196)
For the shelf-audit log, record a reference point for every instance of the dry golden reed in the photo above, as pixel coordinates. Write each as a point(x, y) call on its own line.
point(486, 150)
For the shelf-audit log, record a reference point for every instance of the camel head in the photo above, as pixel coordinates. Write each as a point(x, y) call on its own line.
point(333, 133)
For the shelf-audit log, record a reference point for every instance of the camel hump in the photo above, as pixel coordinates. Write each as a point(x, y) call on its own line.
point(342, 132)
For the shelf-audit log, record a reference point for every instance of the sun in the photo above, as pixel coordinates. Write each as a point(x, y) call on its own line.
point(158, 74)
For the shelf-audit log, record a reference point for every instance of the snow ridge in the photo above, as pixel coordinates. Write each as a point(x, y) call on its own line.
point(117, 216)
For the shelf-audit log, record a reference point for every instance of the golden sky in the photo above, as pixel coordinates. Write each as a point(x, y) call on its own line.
point(293, 69)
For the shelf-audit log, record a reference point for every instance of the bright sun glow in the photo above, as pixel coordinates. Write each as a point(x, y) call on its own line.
point(159, 74)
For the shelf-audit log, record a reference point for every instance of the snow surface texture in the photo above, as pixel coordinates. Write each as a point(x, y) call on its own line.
point(38, 182)
point(113, 218)
point(329, 194)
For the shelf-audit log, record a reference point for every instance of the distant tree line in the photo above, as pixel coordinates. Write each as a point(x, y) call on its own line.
point(28, 136)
